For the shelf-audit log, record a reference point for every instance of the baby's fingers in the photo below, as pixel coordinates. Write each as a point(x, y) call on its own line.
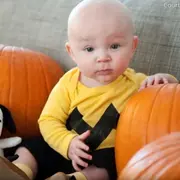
point(84, 155)
point(83, 146)
point(165, 81)
point(80, 162)
point(157, 80)
point(84, 135)
point(150, 81)
point(75, 166)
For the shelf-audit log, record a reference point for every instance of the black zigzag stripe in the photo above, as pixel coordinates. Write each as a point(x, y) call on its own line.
point(76, 122)
point(100, 131)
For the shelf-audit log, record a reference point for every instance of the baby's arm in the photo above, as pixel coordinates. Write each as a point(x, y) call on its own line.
point(52, 122)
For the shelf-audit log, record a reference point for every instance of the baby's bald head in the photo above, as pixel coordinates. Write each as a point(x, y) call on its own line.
point(91, 12)
point(100, 34)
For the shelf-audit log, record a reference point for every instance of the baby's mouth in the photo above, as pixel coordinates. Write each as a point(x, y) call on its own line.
point(104, 72)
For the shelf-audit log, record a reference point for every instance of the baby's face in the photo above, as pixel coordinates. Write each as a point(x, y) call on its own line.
point(102, 44)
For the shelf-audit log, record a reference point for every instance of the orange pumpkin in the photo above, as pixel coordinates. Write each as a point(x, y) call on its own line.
point(157, 160)
point(148, 115)
point(26, 79)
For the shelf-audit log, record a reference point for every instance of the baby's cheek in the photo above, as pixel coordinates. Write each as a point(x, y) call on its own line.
point(123, 64)
point(87, 70)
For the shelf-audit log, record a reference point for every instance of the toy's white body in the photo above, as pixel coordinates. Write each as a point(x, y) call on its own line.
point(7, 142)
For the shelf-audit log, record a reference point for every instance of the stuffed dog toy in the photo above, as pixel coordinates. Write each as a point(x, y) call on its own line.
point(6, 121)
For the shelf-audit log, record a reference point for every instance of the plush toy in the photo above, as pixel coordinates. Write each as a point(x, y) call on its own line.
point(6, 121)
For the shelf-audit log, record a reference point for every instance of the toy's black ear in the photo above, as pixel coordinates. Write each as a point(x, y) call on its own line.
point(8, 122)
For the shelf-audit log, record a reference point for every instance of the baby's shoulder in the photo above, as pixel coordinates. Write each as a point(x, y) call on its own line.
point(69, 80)
point(134, 76)
point(70, 76)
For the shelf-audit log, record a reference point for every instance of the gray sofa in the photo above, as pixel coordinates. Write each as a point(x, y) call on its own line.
point(41, 26)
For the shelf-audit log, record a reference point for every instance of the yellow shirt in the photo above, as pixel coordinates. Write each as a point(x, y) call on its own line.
point(72, 108)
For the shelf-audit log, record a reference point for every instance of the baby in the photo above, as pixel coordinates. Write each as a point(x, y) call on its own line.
point(78, 122)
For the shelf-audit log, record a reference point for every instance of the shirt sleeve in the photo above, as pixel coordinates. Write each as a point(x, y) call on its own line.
point(52, 121)
point(140, 77)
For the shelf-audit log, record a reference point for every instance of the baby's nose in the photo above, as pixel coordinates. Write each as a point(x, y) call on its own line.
point(103, 57)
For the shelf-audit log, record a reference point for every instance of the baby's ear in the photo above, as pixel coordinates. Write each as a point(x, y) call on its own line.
point(69, 50)
point(134, 43)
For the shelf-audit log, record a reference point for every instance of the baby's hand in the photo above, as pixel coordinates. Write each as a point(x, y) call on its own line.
point(159, 78)
point(78, 150)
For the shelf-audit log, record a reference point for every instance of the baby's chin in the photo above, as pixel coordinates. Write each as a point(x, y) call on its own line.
point(104, 80)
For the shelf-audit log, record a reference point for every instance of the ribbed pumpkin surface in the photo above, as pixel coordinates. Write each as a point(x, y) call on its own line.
point(26, 79)
point(148, 115)
point(157, 160)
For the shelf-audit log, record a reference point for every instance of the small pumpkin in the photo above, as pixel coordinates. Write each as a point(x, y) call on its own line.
point(26, 79)
point(157, 160)
point(148, 115)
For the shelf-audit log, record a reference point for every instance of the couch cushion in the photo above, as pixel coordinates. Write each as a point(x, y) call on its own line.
point(41, 25)
point(158, 27)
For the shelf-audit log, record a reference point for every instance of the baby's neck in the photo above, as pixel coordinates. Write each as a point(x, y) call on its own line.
point(89, 82)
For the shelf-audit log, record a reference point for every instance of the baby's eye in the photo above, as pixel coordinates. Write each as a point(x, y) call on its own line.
point(89, 49)
point(115, 46)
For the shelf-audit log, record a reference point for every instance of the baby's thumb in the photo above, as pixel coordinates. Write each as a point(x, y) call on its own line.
point(84, 135)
